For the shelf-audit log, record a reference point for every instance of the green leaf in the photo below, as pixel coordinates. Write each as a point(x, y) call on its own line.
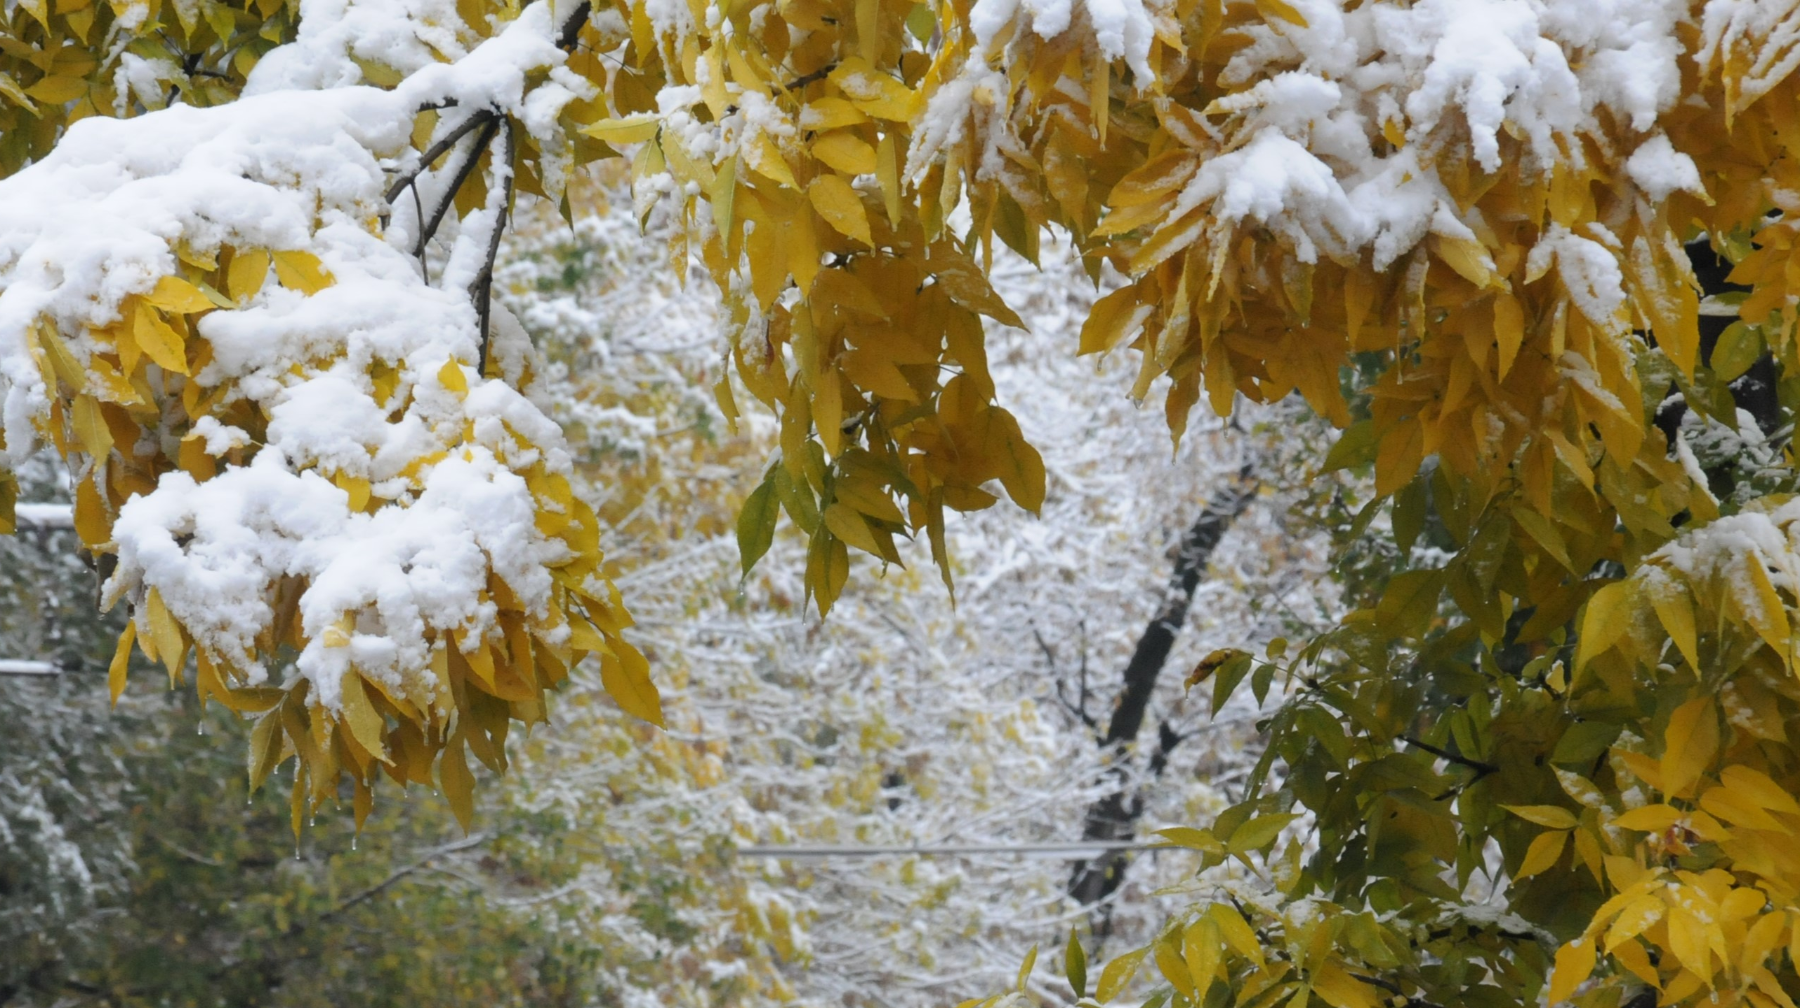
point(1189, 837)
point(1075, 965)
point(756, 522)
point(1354, 447)
point(1227, 678)
point(1738, 348)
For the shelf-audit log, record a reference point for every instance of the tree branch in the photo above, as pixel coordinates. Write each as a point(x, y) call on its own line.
point(1482, 769)
point(483, 291)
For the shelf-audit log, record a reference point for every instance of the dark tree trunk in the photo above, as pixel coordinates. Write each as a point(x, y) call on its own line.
point(1115, 816)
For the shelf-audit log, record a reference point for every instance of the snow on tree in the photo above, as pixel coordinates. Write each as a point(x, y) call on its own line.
point(900, 720)
point(1471, 234)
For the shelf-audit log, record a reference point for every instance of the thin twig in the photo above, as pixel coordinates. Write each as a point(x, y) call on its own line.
point(437, 150)
point(447, 198)
point(484, 281)
point(1482, 769)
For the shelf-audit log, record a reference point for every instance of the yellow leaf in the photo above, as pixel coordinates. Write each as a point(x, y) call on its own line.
point(1553, 816)
point(1026, 967)
point(174, 294)
point(121, 662)
point(159, 341)
point(1509, 330)
point(626, 676)
point(1467, 257)
point(846, 152)
point(1543, 853)
point(358, 489)
point(1603, 623)
point(1650, 818)
point(1689, 744)
point(58, 90)
point(1341, 990)
point(874, 92)
point(451, 377)
point(1118, 973)
point(846, 524)
point(246, 274)
point(1768, 615)
point(1574, 961)
point(1688, 939)
point(171, 643)
point(1676, 612)
point(1280, 10)
point(625, 130)
point(61, 361)
point(90, 427)
point(1202, 949)
point(1236, 932)
point(1755, 786)
point(829, 114)
point(91, 520)
point(1114, 319)
point(457, 782)
point(365, 723)
point(841, 207)
point(301, 271)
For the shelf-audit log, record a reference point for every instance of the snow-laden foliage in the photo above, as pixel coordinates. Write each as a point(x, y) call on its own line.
point(1474, 235)
point(901, 720)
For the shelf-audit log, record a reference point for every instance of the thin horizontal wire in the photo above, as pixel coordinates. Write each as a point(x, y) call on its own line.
point(24, 667)
point(1071, 851)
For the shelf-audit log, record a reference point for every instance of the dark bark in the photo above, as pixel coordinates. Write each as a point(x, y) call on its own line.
point(1115, 816)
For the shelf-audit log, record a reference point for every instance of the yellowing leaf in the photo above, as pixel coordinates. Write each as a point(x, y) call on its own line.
point(1543, 853)
point(1118, 973)
point(365, 724)
point(1257, 833)
point(92, 523)
point(301, 271)
point(1283, 11)
point(159, 341)
point(1755, 786)
point(1574, 962)
point(457, 782)
point(1553, 816)
point(874, 92)
point(1509, 330)
point(451, 377)
point(121, 661)
point(841, 207)
point(90, 427)
point(171, 643)
point(626, 676)
point(174, 294)
point(1114, 319)
point(1689, 744)
point(1676, 612)
point(626, 130)
point(1650, 818)
point(58, 90)
point(1026, 967)
point(846, 152)
point(245, 276)
point(1340, 989)
point(1603, 623)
